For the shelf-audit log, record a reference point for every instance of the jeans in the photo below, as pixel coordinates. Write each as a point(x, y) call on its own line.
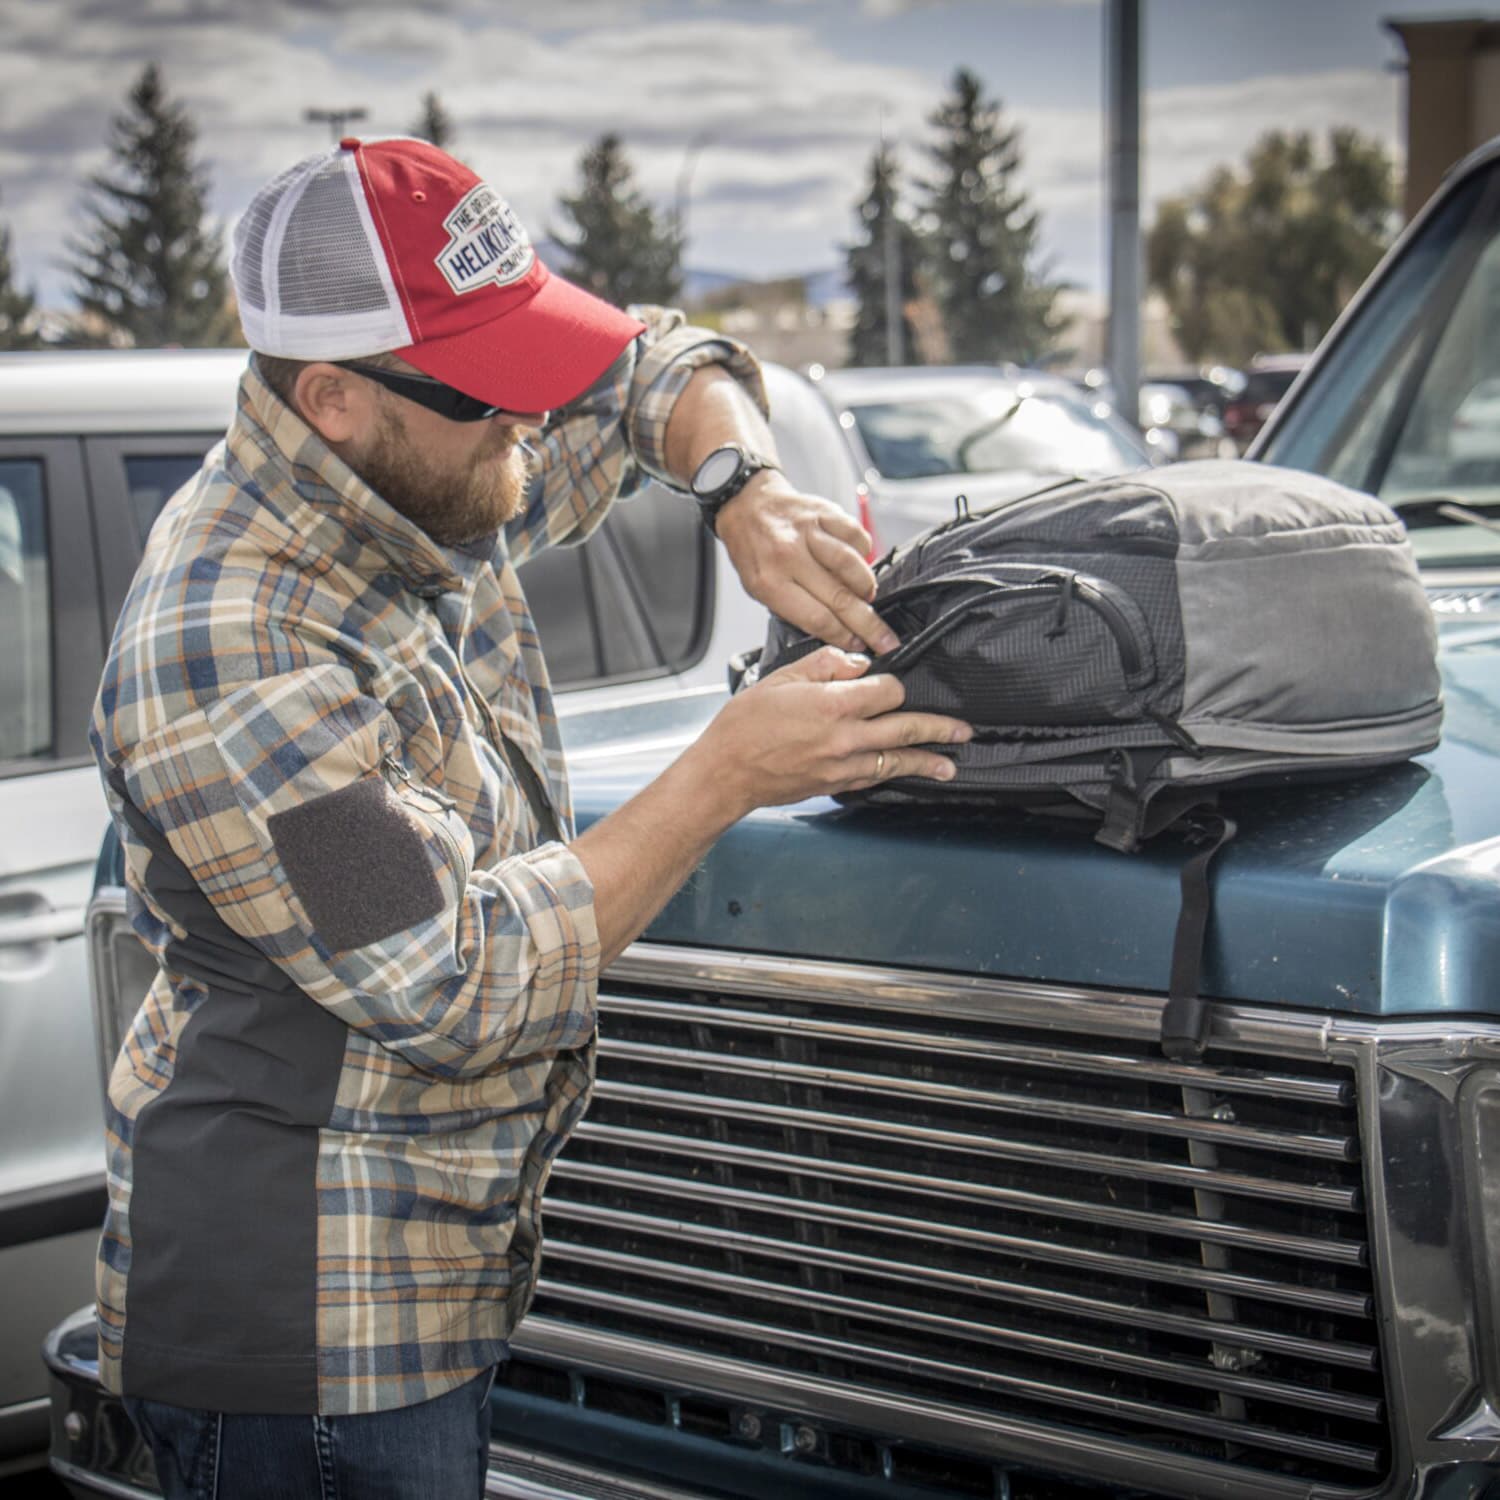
point(431, 1451)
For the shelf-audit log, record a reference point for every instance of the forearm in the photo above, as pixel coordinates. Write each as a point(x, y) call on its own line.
point(810, 728)
point(714, 409)
point(641, 853)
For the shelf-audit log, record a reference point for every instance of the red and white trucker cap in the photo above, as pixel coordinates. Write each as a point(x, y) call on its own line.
point(392, 246)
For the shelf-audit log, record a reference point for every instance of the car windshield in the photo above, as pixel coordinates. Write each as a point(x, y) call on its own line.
point(1407, 404)
point(991, 430)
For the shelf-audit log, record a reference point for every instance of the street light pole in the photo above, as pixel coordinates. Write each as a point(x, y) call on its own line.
point(337, 120)
point(1122, 65)
point(684, 184)
point(895, 330)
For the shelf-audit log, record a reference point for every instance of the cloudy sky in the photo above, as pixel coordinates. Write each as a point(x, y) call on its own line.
point(774, 105)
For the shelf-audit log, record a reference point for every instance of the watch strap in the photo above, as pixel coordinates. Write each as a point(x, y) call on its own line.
point(751, 464)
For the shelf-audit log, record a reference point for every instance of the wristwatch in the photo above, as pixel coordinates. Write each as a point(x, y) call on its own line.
point(721, 476)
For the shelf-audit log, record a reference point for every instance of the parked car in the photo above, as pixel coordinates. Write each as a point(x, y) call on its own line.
point(1268, 379)
point(1209, 387)
point(91, 446)
point(1198, 433)
point(924, 435)
point(887, 1188)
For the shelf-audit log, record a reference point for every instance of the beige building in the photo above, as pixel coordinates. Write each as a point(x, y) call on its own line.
point(778, 322)
point(1452, 95)
point(1087, 314)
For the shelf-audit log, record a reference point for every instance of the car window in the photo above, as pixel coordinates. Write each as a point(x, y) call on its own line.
point(1405, 405)
point(663, 542)
point(632, 601)
point(556, 584)
point(1450, 440)
point(812, 450)
point(1054, 433)
point(26, 666)
point(152, 479)
point(584, 622)
point(990, 432)
point(1267, 386)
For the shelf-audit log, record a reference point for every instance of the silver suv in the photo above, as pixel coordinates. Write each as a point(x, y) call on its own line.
point(91, 446)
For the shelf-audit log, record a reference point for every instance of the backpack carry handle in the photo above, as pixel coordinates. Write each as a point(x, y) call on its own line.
point(1030, 573)
point(897, 661)
point(1131, 635)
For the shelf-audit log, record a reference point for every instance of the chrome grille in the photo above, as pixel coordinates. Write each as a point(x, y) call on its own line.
point(946, 1207)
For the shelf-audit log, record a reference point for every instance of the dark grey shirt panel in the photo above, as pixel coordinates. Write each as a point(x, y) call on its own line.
point(222, 1292)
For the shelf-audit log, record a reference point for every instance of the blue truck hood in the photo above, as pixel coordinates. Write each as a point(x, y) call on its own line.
point(1378, 896)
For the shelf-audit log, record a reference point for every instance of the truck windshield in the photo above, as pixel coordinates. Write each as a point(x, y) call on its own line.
point(1406, 405)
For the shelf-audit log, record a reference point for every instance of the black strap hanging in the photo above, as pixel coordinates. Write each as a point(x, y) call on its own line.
point(1184, 1020)
point(1128, 805)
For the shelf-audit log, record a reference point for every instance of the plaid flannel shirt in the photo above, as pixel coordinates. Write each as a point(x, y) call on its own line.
point(330, 1125)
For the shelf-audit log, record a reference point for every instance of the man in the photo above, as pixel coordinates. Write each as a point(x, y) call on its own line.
point(330, 747)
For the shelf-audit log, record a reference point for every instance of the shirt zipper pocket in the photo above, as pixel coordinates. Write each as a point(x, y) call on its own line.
point(538, 799)
point(437, 807)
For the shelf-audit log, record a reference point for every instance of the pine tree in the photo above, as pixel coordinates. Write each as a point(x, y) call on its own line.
point(434, 124)
point(618, 248)
point(995, 301)
point(882, 229)
point(151, 268)
point(17, 308)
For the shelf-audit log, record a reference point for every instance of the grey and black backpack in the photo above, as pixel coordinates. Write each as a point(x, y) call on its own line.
point(1126, 647)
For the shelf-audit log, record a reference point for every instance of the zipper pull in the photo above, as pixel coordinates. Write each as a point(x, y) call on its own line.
point(1059, 623)
point(1175, 732)
point(419, 789)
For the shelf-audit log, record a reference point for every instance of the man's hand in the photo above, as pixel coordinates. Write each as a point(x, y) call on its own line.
point(820, 726)
point(804, 559)
point(817, 726)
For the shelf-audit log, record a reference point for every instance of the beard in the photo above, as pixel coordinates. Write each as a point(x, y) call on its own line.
point(455, 503)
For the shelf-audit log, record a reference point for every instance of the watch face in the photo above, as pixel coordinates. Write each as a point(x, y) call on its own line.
point(716, 471)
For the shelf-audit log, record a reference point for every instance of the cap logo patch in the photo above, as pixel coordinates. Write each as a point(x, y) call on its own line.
point(487, 245)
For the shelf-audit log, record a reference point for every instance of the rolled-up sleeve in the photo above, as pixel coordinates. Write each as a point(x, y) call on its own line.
point(614, 436)
point(662, 372)
point(287, 804)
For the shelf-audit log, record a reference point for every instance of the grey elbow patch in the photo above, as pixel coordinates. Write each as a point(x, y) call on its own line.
point(358, 864)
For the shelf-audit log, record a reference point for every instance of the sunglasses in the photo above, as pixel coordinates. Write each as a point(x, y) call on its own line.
point(433, 394)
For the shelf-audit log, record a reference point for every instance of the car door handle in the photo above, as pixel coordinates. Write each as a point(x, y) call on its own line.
point(43, 927)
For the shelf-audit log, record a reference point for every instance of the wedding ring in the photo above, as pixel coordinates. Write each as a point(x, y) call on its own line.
point(879, 764)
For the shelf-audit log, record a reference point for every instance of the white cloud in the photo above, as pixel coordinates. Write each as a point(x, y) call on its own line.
point(1191, 130)
point(785, 124)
